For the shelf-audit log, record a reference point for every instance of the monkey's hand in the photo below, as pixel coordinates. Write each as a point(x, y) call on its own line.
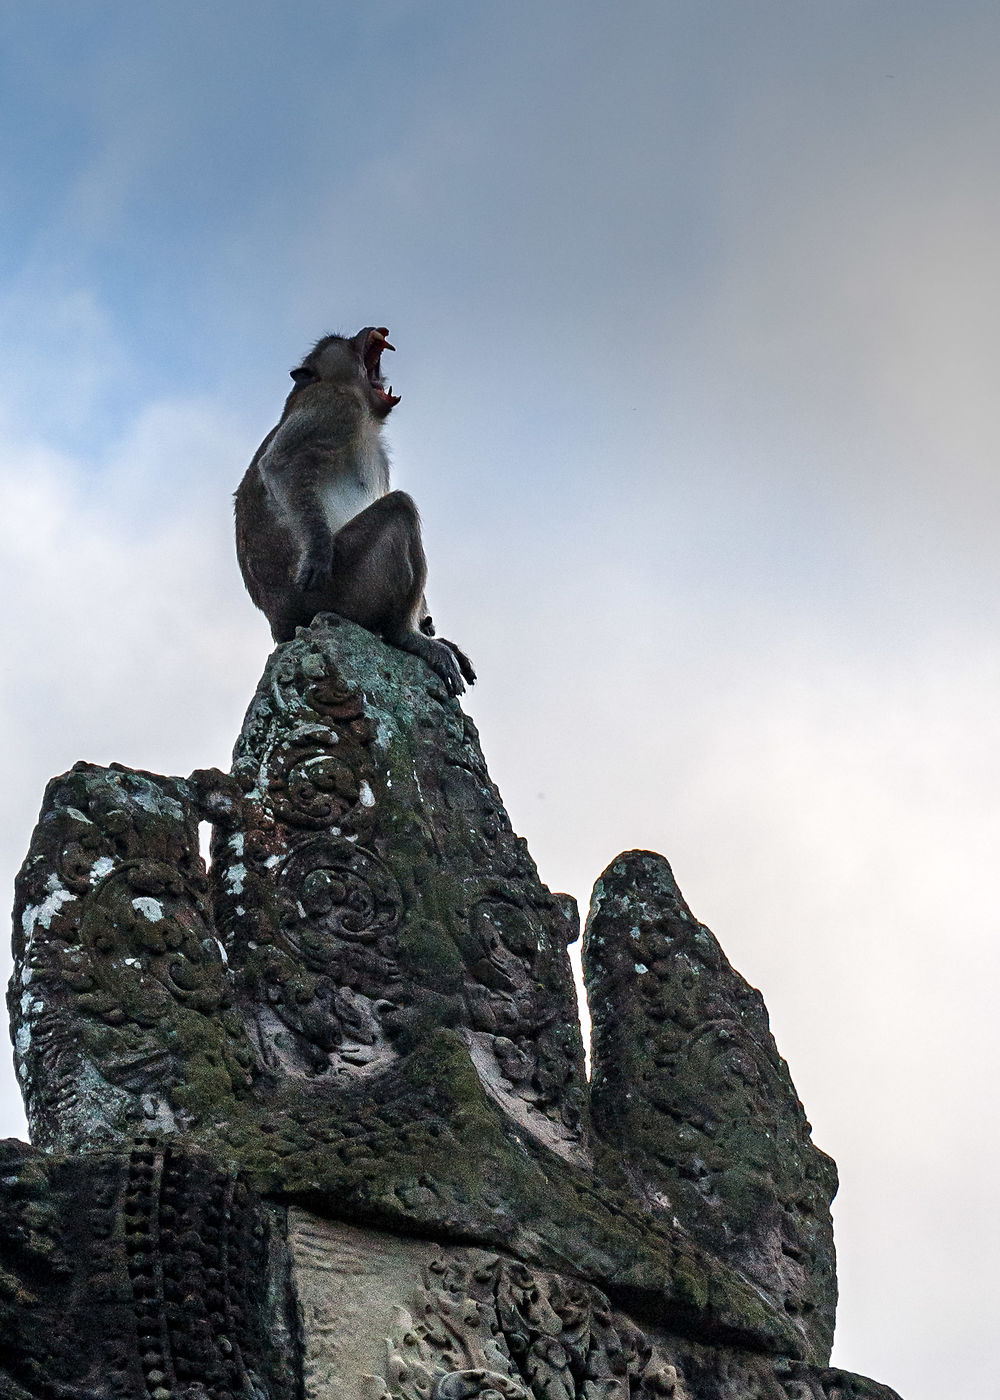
point(314, 572)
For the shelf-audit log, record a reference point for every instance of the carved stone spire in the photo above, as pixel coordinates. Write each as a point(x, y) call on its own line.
point(693, 1099)
point(361, 1018)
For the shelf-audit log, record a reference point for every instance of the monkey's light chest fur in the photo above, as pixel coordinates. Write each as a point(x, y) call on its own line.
point(364, 481)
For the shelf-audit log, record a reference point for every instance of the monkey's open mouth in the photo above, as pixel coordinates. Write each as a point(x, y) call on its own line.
point(377, 342)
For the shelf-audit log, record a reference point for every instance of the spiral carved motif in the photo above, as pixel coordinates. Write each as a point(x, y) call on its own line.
point(314, 787)
point(334, 894)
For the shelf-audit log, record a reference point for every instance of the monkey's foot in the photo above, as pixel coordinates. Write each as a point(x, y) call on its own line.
point(440, 657)
point(443, 660)
point(465, 665)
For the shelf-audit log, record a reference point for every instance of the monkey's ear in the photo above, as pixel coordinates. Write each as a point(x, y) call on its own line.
point(303, 376)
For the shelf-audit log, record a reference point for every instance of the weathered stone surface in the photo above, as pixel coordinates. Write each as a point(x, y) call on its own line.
point(371, 888)
point(689, 1089)
point(150, 1273)
point(121, 1002)
point(364, 1012)
point(407, 1319)
point(389, 1032)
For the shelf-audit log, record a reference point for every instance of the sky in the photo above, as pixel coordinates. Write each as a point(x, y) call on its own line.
point(697, 308)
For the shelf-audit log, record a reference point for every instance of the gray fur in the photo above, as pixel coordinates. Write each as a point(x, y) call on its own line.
point(317, 527)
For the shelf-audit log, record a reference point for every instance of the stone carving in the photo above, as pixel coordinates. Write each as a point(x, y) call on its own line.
point(448, 1323)
point(143, 1274)
point(689, 1087)
point(330, 963)
point(363, 1012)
point(121, 1000)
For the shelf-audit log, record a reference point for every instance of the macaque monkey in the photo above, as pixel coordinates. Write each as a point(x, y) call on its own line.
point(317, 527)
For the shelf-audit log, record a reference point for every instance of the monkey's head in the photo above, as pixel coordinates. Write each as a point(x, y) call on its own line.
point(337, 359)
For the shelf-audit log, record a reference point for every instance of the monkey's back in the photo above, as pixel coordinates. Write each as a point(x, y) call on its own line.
point(265, 549)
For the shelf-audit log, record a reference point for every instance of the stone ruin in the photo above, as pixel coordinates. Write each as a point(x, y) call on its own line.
point(315, 1122)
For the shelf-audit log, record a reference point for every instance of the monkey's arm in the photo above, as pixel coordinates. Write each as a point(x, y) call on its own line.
point(305, 469)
